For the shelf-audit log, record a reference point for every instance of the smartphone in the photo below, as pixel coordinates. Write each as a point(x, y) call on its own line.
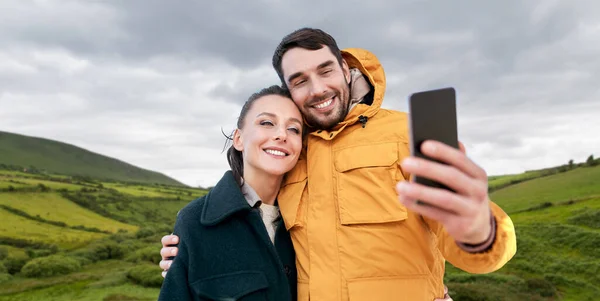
point(432, 117)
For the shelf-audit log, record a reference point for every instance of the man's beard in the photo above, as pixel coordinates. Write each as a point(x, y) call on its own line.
point(335, 117)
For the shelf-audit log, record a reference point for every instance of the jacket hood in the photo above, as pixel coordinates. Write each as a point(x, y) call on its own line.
point(371, 68)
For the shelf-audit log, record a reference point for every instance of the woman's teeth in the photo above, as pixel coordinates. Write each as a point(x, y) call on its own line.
point(275, 152)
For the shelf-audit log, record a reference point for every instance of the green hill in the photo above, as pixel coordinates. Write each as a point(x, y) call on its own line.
point(557, 219)
point(57, 157)
point(546, 191)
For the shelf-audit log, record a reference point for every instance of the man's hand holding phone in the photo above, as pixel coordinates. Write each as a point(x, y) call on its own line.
point(465, 211)
point(445, 185)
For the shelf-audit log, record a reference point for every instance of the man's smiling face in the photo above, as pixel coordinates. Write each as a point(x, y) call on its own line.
point(318, 85)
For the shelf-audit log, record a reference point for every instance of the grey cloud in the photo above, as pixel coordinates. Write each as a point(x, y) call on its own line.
point(154, 82)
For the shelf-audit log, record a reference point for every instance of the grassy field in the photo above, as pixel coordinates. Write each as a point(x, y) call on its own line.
point(20, 174)
point(557, 255)
point(18, 227)
point(54, 207)
point(103, 281)
point(138, 190)
point(4, 183)
point(563, 187)
point(52, 184)
point(13, 250)
point(556, 216)
point(497, 182)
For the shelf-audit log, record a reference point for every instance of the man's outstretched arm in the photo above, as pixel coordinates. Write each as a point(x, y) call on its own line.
point(473, 233)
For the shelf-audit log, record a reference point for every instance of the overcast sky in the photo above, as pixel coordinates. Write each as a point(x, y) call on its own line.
point(153, 83)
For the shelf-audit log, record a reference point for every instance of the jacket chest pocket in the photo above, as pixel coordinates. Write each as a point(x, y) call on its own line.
point(366, 180)
point(246, 285)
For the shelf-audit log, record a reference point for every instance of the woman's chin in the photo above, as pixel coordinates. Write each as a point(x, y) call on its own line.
point(277, 171)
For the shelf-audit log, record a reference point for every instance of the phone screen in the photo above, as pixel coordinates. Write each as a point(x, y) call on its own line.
point(432, 117)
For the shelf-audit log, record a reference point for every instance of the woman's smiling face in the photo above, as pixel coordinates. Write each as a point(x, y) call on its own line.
point(271, 137)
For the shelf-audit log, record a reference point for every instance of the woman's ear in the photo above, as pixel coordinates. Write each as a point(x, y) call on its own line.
point(238, 143)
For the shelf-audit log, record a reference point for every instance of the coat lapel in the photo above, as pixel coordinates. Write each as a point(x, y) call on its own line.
point(224, 200)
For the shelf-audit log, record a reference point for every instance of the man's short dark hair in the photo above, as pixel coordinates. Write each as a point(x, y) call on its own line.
point(306, 38)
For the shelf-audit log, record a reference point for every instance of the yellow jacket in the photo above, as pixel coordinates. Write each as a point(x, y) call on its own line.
point(353, 239)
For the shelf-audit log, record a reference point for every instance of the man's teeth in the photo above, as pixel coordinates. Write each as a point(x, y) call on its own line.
point(275, 152)
point(325, 104)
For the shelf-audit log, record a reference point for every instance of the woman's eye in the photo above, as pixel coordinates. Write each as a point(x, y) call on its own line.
point(266, 122)
point(295, 130)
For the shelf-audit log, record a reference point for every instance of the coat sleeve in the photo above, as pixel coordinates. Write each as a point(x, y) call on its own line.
point(501, 251)
point(175, 286)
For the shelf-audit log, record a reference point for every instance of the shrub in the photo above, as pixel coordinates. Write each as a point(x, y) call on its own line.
point(144, 232)
point(50, 266)
point(590, 161)
point(146, 275)
point(589, 218)
point(43, 187)
point(465, 292)
point(120, 297)
point(23, 243)
point(35, 253)
point(14, 263)
point(159, 229)
point(5, 277)
point(98, 251)
point(148, 254)
point(542, 287)
point(3, 253)
point(3, 269)
point(109, 250)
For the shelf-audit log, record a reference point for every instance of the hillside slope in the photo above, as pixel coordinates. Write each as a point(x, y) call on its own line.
point(557, 219)
point(62, 158)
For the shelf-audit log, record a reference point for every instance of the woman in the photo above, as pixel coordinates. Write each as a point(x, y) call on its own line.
point(233, 245)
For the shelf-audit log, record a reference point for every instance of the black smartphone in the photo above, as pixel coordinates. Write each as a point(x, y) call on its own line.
point(432, 116)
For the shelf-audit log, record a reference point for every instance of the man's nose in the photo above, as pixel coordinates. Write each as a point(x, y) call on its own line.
point(317, 87)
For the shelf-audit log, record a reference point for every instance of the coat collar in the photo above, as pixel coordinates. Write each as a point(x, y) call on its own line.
point(223, 201)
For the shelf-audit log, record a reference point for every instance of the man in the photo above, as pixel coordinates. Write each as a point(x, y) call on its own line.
point(357, 230)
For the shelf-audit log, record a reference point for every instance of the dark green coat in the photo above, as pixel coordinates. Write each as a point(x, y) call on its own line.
point(225, 252)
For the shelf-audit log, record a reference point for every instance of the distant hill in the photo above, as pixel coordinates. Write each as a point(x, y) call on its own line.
point(62, 158)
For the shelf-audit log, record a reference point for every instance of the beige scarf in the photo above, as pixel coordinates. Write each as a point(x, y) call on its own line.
point(359, 87)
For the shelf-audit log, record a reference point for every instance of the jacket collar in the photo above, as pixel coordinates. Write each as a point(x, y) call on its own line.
point(223, 200)
point(368, 64)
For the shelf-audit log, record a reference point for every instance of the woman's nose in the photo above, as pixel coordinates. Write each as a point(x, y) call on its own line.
point(281, 134)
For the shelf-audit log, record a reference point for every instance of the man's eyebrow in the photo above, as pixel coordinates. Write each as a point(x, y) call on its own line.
point(294, 76)
point(321, 66)
point(325, 64)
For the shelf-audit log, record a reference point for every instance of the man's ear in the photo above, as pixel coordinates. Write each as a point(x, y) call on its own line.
point(346, 71)
point(238, 143)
